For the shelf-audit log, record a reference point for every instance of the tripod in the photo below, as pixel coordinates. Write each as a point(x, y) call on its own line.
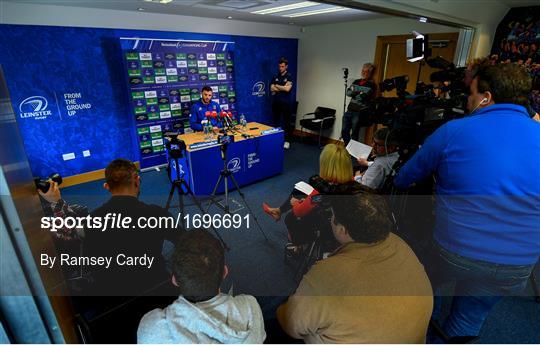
point(180, 185)
point(224, 175)
point(345, 81)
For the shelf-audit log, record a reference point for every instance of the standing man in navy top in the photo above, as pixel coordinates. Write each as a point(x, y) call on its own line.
point(199, 109)
point(281, 99)
point(487, 229)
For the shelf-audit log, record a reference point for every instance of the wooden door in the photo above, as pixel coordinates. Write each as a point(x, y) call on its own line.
point(390, 59)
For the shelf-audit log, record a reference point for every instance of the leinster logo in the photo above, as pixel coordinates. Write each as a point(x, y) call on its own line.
point(234, 165)
point(34, 107)
point(258, 89)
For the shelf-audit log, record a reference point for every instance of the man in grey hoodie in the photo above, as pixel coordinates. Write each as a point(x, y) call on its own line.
point(202, 314)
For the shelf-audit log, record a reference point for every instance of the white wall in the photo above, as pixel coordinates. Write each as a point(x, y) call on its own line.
point(32, 14)
point(483, 15)
point(324, 50)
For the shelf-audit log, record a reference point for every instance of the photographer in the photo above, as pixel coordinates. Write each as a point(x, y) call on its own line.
point(124, 184)
point(54, 206)
point(361, 92)
point(487, 234)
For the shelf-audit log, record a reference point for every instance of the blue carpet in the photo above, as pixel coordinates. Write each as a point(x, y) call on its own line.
point(257, 266)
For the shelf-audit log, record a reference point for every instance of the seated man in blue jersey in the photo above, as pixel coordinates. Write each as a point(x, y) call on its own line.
point(199, 109)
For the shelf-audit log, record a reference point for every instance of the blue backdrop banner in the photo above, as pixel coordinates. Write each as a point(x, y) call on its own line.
point(73, 105)
point(165, 78)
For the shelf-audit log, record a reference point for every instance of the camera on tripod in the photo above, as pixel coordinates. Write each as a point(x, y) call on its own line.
point(175, 149)
point(43, 183)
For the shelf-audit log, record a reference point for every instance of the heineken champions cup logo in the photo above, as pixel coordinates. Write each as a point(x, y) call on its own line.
point(34, 107)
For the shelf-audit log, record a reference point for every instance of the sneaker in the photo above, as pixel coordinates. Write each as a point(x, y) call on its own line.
point(286, 145)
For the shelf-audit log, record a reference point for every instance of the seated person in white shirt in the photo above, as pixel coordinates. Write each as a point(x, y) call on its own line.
point(202, 313)
point(385, 150)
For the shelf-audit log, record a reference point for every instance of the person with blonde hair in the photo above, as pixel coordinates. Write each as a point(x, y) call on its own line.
point(335, 178)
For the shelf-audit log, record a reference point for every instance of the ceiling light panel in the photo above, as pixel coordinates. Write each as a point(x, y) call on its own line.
point(284, 8)
point(315, 12)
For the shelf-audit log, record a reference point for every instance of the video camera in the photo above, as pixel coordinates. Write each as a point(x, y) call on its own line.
point(43, 183)
point(175, 147)
point(426, 110)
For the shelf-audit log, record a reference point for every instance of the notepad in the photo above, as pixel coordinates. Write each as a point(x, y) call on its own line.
point(358, 150)
point(304, 187)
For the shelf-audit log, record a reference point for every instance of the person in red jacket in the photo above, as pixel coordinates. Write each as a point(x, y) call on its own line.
point(303, 214)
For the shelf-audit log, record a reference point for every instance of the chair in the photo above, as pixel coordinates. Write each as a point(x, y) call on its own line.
point(322, 118)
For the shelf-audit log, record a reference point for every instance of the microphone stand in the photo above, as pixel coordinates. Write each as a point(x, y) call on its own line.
point(346, 82)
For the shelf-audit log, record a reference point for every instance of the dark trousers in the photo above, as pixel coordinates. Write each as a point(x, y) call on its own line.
point(479, 286)
point(282, 117)
point(351, 121)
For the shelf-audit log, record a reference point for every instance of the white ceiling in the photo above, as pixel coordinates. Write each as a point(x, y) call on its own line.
point(237, 9)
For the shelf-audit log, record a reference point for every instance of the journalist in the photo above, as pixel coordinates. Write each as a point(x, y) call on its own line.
point(202, 314)
point(486, 166)
point(385, 150)
point(303, 213)
point(372, 289)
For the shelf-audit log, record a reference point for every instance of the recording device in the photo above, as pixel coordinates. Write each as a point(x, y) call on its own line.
point(175, 147)
point(423, 112)
point(43, 183)
point(225, 139)
point(399, 83)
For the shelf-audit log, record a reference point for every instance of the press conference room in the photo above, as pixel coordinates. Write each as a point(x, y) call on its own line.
point(269, 171)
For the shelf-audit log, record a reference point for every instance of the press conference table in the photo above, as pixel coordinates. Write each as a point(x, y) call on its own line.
point(249, 159)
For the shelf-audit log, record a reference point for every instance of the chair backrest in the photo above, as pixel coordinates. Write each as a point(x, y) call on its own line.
point(322, 112)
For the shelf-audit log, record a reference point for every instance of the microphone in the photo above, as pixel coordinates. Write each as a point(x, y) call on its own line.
point(231, 118)
point(207, 114)
point(226, 120)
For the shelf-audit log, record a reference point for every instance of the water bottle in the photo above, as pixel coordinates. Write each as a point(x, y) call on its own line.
point(205, 130)
point(243, 123)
